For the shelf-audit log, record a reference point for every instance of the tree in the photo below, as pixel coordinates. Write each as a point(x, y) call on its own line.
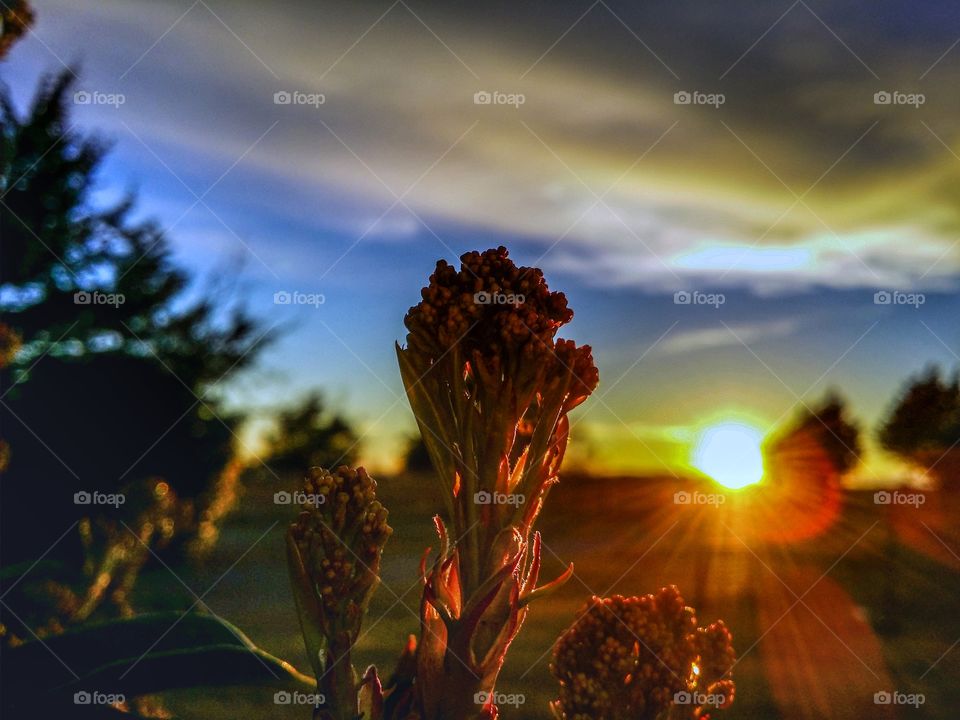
point(923, 427)
point(828, 421)
point(416, 457)
point(804, 465)
point(114, 374)
point(306, 435)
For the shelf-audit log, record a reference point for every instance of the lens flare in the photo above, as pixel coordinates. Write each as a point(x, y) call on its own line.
point(730, 453)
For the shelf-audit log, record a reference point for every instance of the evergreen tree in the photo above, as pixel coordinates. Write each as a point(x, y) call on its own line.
point(115, 374)
point(923, 427)
point(305, 435)
point(839, 436)
point(828, 425)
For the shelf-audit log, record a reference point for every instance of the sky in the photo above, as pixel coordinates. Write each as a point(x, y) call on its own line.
point(778, 164)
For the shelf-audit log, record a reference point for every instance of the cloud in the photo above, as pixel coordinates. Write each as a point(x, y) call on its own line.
point(693, 341)
point(799, 180)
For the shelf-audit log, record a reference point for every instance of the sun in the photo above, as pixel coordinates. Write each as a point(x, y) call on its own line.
point(730, 453)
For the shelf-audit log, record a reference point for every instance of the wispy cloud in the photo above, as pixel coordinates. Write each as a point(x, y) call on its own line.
point(788, 192)
point(710, 338)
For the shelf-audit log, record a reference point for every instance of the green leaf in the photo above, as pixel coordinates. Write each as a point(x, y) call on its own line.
point(42, 568)
point(432, 419)
point(309, 611)
point(144, 655)
point(209, 666)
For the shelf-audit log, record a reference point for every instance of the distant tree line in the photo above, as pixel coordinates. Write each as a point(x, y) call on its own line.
point(921, 428)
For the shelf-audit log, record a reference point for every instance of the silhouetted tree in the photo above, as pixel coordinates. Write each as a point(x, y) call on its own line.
point(114, 376)
point(804, 467)
point(839, 436)
point(308, 435)
point(415, 456)
point(923, 427)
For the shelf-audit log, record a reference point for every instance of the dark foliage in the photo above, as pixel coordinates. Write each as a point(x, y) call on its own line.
point(923, 427)
point(839, 436)
point(102, 393)
point(306, 435)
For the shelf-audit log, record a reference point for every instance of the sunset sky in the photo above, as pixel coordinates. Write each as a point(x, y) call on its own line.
point(798, 198)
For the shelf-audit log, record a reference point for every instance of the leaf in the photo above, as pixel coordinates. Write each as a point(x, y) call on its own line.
point(209, 666)
point(370, 700)
point(549, 588)
point(43, 568)
point(143, 655)
point(432, 421)
point(309, 611)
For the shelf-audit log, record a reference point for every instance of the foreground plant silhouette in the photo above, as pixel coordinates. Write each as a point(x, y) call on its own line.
point(333, 551)
point(491, 386)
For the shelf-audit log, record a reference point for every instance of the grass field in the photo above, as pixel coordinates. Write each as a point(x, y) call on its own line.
point(820, 624)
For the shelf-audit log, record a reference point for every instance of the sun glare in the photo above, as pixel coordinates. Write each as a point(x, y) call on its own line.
point(730, 454)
